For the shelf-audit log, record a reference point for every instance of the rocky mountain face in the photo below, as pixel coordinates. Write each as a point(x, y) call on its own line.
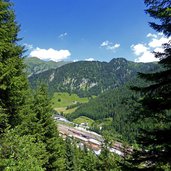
point(87, 78)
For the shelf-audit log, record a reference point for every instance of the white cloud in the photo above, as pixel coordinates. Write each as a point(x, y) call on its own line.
point(146, 56)
point(62, 35)
point(157, 42)
point(116, 45)
point(109, 45)
point(113, 47)
point(159, 49)
point(105, 43)
point(144, 51)
point(28, 46)
point(75, 60)
point(151, 35)
point(89, 59)
point(50, 54)
point(139, 49)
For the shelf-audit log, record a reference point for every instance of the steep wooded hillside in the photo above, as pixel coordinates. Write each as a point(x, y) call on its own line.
point(91, 78)
point(111, 111)
point(35, 65)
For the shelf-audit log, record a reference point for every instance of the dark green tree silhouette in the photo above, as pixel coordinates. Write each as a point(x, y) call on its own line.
point(155, 139)
point(46, 130)
point(69, 155)
point(20, 153)
point(13, 81)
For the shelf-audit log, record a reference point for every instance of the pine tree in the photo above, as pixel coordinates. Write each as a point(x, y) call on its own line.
point(69, 155)
point(160, 9)
point(20, 153)
point(155, 140)
point(46, 130)
point(107, 160)
point(13, 81)
point(90, 160)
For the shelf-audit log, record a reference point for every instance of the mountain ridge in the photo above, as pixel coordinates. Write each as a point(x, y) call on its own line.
point(35, 65)
point(87, 78)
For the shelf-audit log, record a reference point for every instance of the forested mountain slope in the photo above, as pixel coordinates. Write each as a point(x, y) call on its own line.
point(35, 65)
point(112, 111)
point(91, 78)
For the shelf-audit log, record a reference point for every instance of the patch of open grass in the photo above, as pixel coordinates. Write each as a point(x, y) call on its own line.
point(83, 119)
point(66, 99)
point(64, 111)
point(62, 100)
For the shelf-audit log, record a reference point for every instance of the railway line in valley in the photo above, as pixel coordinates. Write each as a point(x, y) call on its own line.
point(91, 139)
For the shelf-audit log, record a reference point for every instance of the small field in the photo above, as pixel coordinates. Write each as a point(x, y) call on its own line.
point(83, 119)
point(64, 110)
point(66, 103)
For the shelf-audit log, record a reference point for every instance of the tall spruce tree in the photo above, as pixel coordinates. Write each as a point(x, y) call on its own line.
point(45, 130)
point(18, 151)
point(13, 81)
point(155, 140)
point(69, 162)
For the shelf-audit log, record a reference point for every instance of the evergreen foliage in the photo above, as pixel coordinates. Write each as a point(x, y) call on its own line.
point(13, 82)
point(107, 161)
point(69, 156)
point(20, 153)
point(28, 134)
point(17, 151)
point(155, 141)
point(111, 111)
point(29, 139)
point(47, 130)
point(160, 9)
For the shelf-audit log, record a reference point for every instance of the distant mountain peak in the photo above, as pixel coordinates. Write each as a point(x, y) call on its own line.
point(35, 65)
point(114, 60)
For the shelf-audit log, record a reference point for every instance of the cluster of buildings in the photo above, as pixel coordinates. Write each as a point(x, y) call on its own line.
point(87, 138)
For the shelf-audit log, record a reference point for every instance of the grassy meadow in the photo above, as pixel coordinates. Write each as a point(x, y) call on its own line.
point(66, 103)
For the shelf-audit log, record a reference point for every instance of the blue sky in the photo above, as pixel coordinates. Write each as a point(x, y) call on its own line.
point(87, 29)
